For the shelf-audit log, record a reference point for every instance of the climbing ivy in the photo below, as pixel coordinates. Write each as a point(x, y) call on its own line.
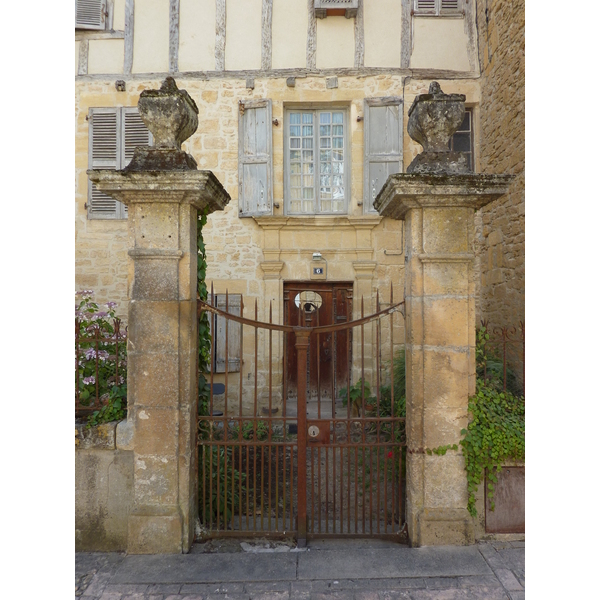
point(204, 340)
point(496, 431)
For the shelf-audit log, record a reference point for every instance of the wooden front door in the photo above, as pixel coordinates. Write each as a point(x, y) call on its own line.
point(313, 304)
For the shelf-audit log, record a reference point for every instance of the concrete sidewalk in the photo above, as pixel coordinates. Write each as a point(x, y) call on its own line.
point(326, 570)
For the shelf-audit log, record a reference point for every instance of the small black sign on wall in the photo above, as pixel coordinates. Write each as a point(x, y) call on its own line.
point(318, 269)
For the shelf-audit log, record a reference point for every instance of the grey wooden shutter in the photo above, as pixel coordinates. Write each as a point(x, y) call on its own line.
point(134, 133)
point(255, 166)
point(425, 7)
point(103, 153)
point(90, 14)
point(449, 7)
point(231, 345)
point(383, 145)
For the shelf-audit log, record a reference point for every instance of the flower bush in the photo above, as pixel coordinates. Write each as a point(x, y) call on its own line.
point(101, 355)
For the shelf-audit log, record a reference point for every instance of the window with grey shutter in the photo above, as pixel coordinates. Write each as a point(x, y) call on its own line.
point(104, 128)
point(438, 7)
point(227, 336)
point(114, 133)
point(383, 145)
point(255, 166)
point(90, 14)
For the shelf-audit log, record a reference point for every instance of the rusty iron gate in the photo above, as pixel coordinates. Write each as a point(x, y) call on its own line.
point(281, 465)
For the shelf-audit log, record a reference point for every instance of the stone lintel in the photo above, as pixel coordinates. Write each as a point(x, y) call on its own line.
point(201, 189)
point(464, 257)
point(324, 222)
point(404, 191)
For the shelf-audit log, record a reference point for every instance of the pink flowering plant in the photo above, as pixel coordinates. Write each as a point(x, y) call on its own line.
point(101, 355)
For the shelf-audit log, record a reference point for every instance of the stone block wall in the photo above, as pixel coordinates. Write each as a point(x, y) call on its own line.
point(103, 489)
point(500, 226)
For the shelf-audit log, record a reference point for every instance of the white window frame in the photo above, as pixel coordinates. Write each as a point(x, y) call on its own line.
point(316, 109)
point(436, 9)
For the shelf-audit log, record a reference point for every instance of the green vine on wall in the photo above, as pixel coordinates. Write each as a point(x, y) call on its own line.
point(204, 340)
point(496, 431)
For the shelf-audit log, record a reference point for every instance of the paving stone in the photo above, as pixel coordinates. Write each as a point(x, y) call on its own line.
point(476, 593)
point(441, 583)
point(96, 587)
point(518, 544)
point(127, 588)
point(513, 558)
point(394, 595)
point(111, 596)
point(227, 596)
point(520, 575)
point(467, 582)
point(270, 595)
point(508, 580)
point(391, 584)
point(333, 595)
point(493, 559)
point(501, 545)
point(366, 595)
point(140, 596)
point(164, 588)
point(267, 586)
point(517, 595)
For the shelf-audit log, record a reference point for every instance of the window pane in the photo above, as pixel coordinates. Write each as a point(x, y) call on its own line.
point(307, 130)
point(307, 142)
point(308, 168)
point(294, 142)
point(325, 193)
point(338, 155)
point(295, 193)
point(296, 180)
point(338, 130)
point(325, 167)
point(307, 155)
point(325, 180)
point(462, 142)
point(325, 142)
point(338, 117)
point(294, 118)
point(466, 124)
point(338, 206)
point(307, 118)
point(338, 192)
point(324, 118)
point(308, 193)
point(295, 130)
point(295, 168)
point(309, 181)
point(338, 142)
point(338, 167)
point(325, 130)
point(338, 180)
point(295, 155)
point(326, 206)
point(325, 155)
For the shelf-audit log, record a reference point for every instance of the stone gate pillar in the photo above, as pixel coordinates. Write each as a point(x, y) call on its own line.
point(437, 198)
point(163, 191)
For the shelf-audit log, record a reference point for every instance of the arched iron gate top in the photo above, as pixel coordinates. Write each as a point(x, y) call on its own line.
point(205, 306)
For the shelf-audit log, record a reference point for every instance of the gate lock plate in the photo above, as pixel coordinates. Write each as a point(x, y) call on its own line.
point(318, 432)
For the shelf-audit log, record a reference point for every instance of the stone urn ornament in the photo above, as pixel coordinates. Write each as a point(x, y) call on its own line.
point(171, 115)
point(432, 120)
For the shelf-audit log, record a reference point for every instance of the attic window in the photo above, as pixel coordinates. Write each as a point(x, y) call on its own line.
point(331, 8)
point(90, 14)
point(438, 8)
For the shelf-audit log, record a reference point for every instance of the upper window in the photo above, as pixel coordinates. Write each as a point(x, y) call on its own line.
point(114, 133)
point(438, 7)
point(462, 140)
point(90, 14)
point(316, 162)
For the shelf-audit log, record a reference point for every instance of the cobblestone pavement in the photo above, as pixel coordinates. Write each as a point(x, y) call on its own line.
point(487, 571)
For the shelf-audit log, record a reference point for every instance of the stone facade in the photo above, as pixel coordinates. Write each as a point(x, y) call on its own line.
point(501, 225)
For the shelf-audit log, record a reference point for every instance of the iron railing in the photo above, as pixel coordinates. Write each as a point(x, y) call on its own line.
point(503, 357)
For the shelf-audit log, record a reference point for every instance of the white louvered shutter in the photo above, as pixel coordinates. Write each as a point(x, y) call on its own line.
point(255, 165)
point(90, 14)
point(232, 343)
point(104, 125)
point(425, 7)
point(383, 145)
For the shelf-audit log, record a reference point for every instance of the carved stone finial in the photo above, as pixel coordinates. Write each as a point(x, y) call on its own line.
point(432, 120)
point(171, 115)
